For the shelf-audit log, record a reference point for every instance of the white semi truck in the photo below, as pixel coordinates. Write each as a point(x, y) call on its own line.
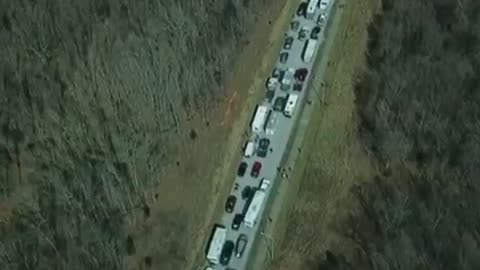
point(216, 244)
point(309, 50)
point(292, 101)
point(253, 211)
point(260, 118)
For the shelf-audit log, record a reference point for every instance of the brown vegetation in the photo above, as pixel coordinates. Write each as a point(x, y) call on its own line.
point(99, 102)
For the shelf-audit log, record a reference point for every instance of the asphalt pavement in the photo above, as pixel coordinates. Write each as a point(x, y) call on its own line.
point(282, 131)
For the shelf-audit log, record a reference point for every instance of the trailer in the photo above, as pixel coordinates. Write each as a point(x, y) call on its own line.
point(216, 244)
point(309, 50)
point(292, 101)
point(251, 217)
point(312, 5)
point(259, 120)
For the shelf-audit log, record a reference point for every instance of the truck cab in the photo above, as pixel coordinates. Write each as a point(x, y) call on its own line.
point(265, 184)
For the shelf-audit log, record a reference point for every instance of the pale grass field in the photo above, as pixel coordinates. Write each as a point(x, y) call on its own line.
point(338, 160)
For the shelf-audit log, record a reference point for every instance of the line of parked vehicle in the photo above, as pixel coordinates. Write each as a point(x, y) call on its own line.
point(282, 95)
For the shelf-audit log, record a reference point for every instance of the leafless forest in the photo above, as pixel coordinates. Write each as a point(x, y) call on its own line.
point(91, 94)
point(419, 103)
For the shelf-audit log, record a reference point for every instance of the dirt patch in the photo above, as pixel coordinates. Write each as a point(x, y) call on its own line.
point(337, 160)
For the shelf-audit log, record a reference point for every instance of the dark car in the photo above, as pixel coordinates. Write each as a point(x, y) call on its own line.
point(237, 220)
point(269, 95)
point(283, 57)
point(257, 166)
point(242, 169)
point(301, 74)
point(287, 45)
point(247, 192)
point(227, 252)
point(278, 73)
point(279, 104)
point(230, 204)
point(295, 25)
point(297, 86)
point(263, 147)
point(240, 245)
point(302, 35)
point(302, 8)
point(314, 33)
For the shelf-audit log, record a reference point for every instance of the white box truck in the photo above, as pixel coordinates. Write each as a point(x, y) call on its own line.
point(312, 5)
point(309, 50)
point(292, 100)
point(216, 244)
point(253, 211)
point(259, 120)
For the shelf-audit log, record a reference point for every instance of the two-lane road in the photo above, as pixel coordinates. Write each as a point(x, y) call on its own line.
point(283, 132)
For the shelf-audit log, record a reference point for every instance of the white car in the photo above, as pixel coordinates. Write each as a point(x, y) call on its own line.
point(241, 245)
point(322, 18)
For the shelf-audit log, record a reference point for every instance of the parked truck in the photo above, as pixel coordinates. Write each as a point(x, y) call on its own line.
point(216, 244)
point(309, 50)
point(260, 118)
point(253, 212)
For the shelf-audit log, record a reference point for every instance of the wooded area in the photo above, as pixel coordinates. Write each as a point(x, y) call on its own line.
point(91, 94)
point(419, 104)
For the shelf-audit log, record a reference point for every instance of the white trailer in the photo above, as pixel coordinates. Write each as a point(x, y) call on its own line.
point(259, 120)
point(309, 50)
point(216, 244)
point(292, 101)
point(253, 210)
point(312, 5)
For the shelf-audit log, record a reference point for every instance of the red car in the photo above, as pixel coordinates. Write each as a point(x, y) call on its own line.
point(257, 166)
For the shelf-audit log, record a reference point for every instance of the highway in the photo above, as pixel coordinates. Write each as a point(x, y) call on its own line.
point(282, 132)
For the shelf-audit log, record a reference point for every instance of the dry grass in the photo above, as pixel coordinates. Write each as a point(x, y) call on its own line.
point(338, 160)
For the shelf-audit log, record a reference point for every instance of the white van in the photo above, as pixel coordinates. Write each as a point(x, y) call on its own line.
point(249, 149)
